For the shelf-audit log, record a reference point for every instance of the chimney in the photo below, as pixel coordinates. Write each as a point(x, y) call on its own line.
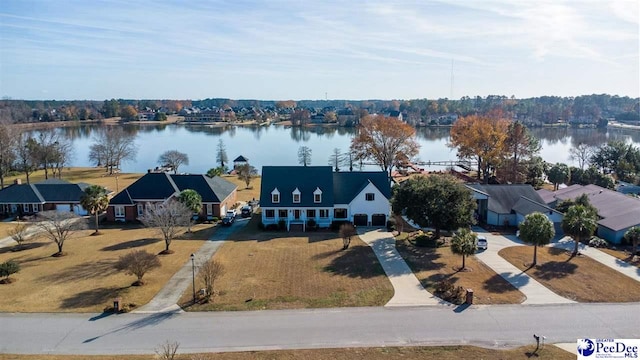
point(17, 182)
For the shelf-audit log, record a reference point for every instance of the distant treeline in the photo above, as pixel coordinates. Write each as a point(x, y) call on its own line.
point(544, 109)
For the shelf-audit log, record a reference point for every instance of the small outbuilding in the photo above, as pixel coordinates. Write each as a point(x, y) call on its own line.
point(239, 161)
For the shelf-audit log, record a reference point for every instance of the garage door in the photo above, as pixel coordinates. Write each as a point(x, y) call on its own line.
point(378, 219)
point(360, 220)
point(63, 207)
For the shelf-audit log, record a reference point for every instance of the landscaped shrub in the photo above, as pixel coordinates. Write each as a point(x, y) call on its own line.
point(423, 239)
point(335, 225)
point(597, 242)
point(311, 224)
point(282, 225)
point(391, 224)
point(447, 291)
point(272, 227)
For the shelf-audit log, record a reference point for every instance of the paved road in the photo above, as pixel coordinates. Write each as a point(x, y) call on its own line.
point(535, 292)
point(489, 326)
point(169, 295)
point(407, 288)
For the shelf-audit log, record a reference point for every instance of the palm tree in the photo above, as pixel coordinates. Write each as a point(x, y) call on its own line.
point(464, 243)
point(536, 229)
point(633, 235)
point(192, 200)
point(579, 223)
point(95, 201)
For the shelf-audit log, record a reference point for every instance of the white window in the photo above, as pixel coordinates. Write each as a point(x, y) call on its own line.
point(275, 196)
point(270, 214)
point(25, 208)
point(209, 209)
point(324, 213)
point(317, 196)
point(119, 211)
point(296, 196)
point(370, 196)
point(140, 209)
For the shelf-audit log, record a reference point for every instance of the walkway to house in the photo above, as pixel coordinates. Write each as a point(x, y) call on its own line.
point(601, 257)
point(535, 292)
point(407, 289)
point(167, 298)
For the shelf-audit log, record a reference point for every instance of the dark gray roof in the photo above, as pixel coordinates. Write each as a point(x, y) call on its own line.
point(241, 159)
point(527, 206)
point(618, 211)
point(347, 185)
point(47, 191)
point(20, 194)
point(60, 193)
point(502, 198)
point(547, 196)
point(160, 186)
point(305, 178)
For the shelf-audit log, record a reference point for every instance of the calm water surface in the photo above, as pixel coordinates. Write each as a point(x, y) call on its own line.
point(278, 145)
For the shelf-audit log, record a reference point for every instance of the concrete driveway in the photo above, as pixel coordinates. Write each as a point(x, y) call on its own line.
point(535, 292)
point(407, 288)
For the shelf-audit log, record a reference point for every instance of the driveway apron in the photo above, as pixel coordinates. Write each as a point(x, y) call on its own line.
point(407, 289)
point(535, 292)
point(167, 298)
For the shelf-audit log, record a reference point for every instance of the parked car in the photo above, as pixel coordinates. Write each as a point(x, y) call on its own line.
point(228, 220)
point(482, 243)
point(246, 211)
point(231, 213)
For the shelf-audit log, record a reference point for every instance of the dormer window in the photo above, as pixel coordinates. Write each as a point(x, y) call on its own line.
point(275, 196)
point(296, 196)
point(317, 196)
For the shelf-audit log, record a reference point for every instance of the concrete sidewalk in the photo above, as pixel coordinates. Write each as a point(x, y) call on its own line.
point(535, 292)
point(407, 289)
point(167, 298)
point(601, 257)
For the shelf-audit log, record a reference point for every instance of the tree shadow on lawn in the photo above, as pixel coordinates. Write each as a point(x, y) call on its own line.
point(497, 284)
point(420, 258)
point(92, 297)
point(23, 247)
point(130, 244)
point(89, 269)
point(554, 270)
point(355, 262)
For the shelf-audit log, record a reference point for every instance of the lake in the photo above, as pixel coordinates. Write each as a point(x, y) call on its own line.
point(278, 145)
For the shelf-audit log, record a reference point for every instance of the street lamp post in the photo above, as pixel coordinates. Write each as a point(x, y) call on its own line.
point(193, 276)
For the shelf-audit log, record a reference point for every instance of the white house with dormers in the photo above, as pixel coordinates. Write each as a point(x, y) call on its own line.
point(298, 194)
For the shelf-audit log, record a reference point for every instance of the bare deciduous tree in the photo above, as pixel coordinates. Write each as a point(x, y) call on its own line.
point(19, 233)
point(137, 263)
point(112, 147)
point(8, 139)
point(59, 226)
point(209, 272)
point(173, 159)
point(245, 173)
point(168, 218)
point(347, 230)
point(304, 155)
point(168, 350)
point(582, 154)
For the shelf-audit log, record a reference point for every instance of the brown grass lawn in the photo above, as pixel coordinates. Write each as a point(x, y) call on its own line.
point(244, 194)
point(623, 255)
point(434, 265)
point(279, 270)
point(579, 278)
point(5, 227)
point(94, 176)
point(84, 280)
point(385, 353)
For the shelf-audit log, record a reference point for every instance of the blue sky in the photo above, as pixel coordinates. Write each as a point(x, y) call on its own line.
point(293, 49)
